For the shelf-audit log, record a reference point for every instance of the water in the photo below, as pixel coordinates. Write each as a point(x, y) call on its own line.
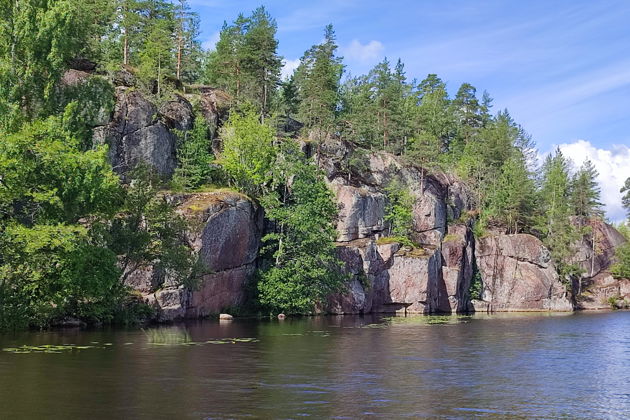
point(516, 366)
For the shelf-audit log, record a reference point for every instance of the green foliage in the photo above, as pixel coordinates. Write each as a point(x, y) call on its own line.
point(585, 192)
point(246, 62)
point(148, 231)
point(375, 108)
point(355, 163)
point(305, 269)
point(625, 200)
point(49, 271)
point(317, 81)
point(37, 40)
point(248, 152)
point(47, 178)
point(68, 229)
point(194, 156)
point(513, 199)
point(398, 211)
point(621, 268)
point(559, 235)
point(86, 105)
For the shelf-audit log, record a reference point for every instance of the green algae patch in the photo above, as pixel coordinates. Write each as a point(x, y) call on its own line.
point(48, 348)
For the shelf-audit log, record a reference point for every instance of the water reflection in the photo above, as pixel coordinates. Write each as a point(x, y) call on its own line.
point(516, 365)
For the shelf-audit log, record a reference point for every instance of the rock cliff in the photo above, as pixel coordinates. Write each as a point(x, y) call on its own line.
point(518, 275)
point(386, 277)
point(225, 234)
point(515, 271)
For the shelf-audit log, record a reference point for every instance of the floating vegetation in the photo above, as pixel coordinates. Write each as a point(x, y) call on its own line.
point(48, 348)
point(310, 333)
point(421, 320)
point(201, 343)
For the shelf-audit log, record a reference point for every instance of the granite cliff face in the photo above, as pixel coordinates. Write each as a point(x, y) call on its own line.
point(518, 275)
point(225, 234)
point(385, 276)
point(515, 271)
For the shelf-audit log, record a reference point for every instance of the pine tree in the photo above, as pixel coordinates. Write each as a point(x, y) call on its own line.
point(558, 232)
point(188, 49)
point(246, 62)
point(585, 192)
point(625, 200)
point(261, 62)
point(377, 108)
point(513, 198)
point(317, 80)
point(193, 154)
point(225, 64)
point(157, 61)
point(434, 115)
point(468, 113)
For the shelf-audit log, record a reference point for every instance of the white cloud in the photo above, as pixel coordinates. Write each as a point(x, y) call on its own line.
point(613, 166)
point(356, 51)
point(288, 67)
point(210, 43)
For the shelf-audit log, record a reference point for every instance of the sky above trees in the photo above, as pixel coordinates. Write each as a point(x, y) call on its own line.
point(562, 68)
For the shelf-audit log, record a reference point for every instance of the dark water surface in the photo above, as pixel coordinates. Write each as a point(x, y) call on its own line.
point(511, 366)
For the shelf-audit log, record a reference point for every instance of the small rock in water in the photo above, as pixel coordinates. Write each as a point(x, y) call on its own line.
point(225, 317)
point(281, 316)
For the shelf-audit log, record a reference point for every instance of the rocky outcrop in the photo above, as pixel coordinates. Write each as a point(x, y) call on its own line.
point(389, 278)
point(361, 212)
point(603, 291)
point(136, 134)
point(360, 192)
point(595, 251)
point(518, 275)
point(225, 231)
point(227, 245)
point(139, 131)
point(433, 277)
point(457, 266)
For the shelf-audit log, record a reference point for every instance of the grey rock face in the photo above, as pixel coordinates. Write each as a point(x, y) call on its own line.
point(595, 251)
point(225, 235)
point(518, 275)
point(138, 133)
point(177, 114)
point(388, 278)
point(457, 266)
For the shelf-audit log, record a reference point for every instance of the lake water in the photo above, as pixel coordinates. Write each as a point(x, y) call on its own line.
point(500, 366)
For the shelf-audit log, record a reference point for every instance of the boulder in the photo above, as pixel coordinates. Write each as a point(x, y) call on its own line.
point(136, 135)
point(177, 114)
point(518, 275)
point(595, 251)
point(600, 291)
point(361, 212)
point(412, 283)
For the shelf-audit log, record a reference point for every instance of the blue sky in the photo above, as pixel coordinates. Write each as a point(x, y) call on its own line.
point(562, 68)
